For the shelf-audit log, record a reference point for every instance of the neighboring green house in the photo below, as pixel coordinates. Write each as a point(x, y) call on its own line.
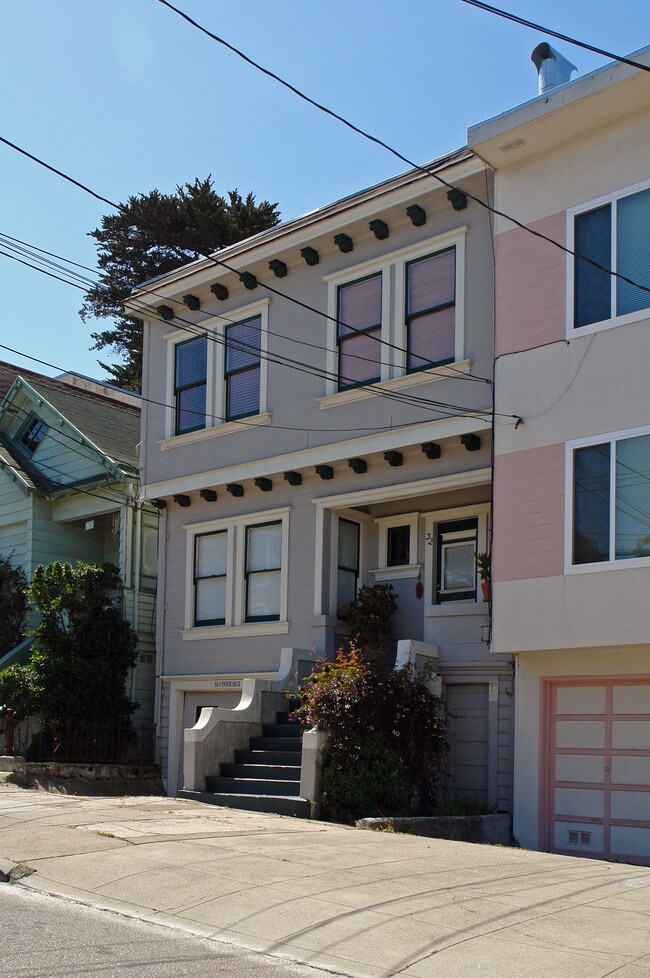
point(69, 490)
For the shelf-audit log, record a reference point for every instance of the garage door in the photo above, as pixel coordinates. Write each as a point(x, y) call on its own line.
point(598, 797)
point(467, 733)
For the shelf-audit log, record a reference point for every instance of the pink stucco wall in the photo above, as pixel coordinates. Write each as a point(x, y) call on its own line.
point(528, 514)
point(530, 286)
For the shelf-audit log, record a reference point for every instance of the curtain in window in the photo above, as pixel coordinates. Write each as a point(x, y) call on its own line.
point(190, 384)
point(430, 311)
point(243, 342)
point(359, 309)
point(263, 563)
point(210, 574)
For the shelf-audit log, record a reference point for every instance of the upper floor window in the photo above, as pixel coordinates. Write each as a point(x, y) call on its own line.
point(430, 310)
point(263, 571)
point(397, 319)
point(190, 376)
point(614, 235)
point(32, 433)
point(210, 572)
point(359, 331)
point(611, 500)
point(216, 379)
point(242, 371)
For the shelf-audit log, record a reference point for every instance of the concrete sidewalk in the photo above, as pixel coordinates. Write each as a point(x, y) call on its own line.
point(360, 903)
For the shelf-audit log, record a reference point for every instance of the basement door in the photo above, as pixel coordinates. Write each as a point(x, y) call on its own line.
point(597, 769)
point(467, 734)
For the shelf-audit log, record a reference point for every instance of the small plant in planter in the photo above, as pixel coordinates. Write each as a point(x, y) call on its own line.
point(483, 567)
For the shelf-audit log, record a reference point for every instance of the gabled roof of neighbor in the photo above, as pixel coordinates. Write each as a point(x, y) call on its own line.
point(111, 425)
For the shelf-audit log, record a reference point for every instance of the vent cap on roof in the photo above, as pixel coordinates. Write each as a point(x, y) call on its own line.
point(553, 68)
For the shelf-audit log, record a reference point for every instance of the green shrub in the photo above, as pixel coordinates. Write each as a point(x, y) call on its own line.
point(374, 783)
point(466, 806)
point(360, 708)
point(13, 603)
point(17, 690)
point(369, 619)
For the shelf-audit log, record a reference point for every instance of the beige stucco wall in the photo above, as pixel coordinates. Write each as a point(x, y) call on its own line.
point(529, 733)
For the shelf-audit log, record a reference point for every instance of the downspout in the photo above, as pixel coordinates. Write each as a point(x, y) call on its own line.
point(160, 627)
point(136, 584)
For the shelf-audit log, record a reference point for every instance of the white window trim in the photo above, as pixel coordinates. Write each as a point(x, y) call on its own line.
point(431, 520)
point(572, 212)
point(400, 571)
point(235, 597)
point(215, 395)
point(605, 565)
point(393, 327)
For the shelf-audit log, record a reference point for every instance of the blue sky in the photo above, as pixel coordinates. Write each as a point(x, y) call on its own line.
point(125, 97)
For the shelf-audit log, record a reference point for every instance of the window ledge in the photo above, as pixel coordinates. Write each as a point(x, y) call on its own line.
point(227, 428)
point(235, 631)
point(396, 384)
point(396, 573)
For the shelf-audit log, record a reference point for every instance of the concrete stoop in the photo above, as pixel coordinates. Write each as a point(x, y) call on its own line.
point(264, 778)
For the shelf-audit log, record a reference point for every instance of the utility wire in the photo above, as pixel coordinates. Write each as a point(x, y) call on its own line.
point(488, 8)
point(445, 409)
point(25, 249)
point(400, 156)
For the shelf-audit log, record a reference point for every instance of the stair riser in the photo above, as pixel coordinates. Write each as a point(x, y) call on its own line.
point(297, 807)
point(284, 730)
point(274, 743)
point(238, 786)
point(269, 758)
point(264, 772)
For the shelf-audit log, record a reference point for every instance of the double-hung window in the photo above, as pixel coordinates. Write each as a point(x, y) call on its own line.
point(237, 576)
point(431, 310)
point(190, 377)
point(359, 331)
point(611, 500)
point(210, 572)
point(456, 561)
point(242, 374)
point(613, 236)
point(263, 571)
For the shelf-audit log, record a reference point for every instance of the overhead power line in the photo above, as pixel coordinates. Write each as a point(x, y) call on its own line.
point(488, 8)
point(391, 149)
point(444, 408)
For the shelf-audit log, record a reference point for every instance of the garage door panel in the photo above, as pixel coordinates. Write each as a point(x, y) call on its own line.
point(585, 839)
point(587, 802)
point(580, 733)
point(581, 699)
point(585, 768)
point(598, 763)
point(633, 806)
point(631, 770)
point(631, 699)
point(631, 734)
point(630, 840)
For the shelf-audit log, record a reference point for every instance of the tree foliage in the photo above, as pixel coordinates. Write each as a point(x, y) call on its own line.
point(82, 647)
point(13, 605)
point(152, 234)
point(384, 727)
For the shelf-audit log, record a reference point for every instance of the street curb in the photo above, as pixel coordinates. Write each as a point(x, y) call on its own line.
point(11, 872)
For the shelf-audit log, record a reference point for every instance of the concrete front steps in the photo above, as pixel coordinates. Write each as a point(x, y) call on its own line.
point(264, 778)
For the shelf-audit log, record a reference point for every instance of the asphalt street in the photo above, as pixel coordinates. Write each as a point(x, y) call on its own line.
point(44, 937)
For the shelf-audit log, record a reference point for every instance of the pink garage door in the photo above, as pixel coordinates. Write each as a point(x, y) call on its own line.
point(597, 769)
